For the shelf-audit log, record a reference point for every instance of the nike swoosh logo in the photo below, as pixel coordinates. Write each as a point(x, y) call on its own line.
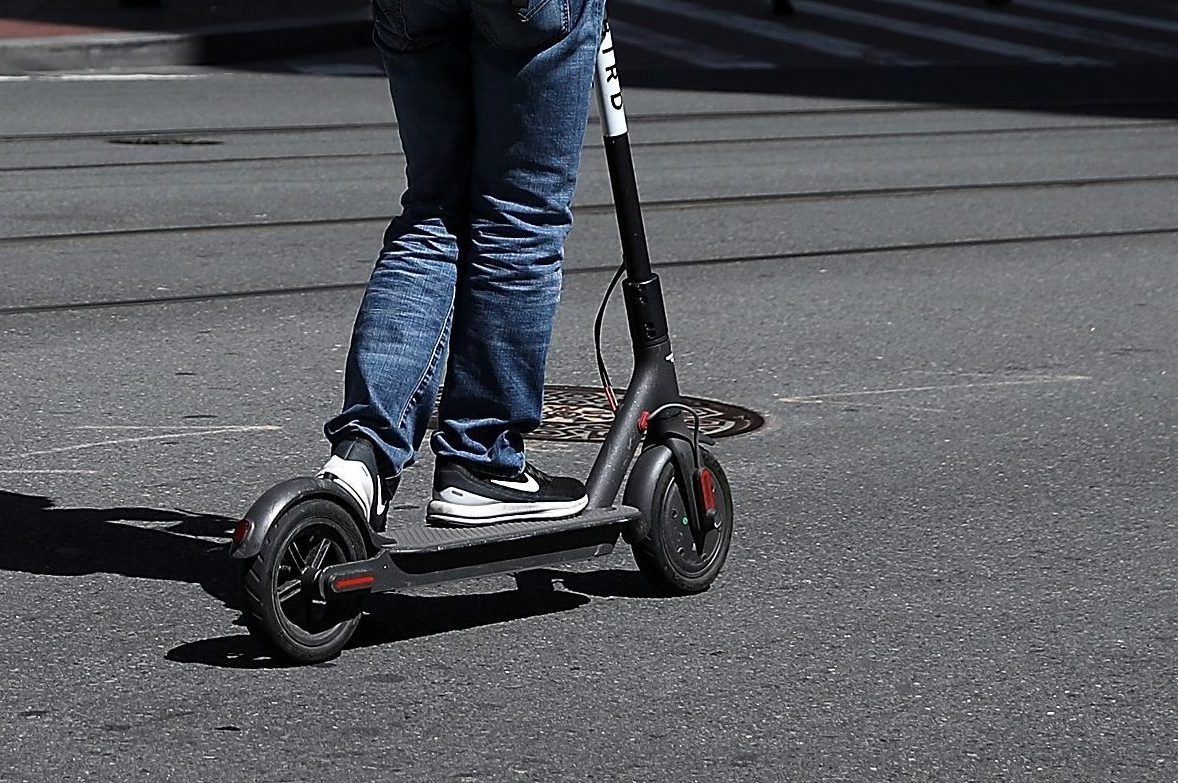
point(527, 484)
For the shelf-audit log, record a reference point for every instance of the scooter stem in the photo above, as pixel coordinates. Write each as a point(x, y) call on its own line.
point(608, 87)
point(653, 381)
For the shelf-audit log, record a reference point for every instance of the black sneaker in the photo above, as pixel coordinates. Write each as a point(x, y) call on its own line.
point(463, 497)
point(354, 466)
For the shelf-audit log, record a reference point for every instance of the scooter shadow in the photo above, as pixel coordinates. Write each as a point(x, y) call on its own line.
point(40, 538)
point(391, 618)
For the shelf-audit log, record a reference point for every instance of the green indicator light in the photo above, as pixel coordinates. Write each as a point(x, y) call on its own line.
point(685, 520)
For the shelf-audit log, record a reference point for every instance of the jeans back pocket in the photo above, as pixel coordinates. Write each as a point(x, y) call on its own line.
point(522, 24)
point(408, 25)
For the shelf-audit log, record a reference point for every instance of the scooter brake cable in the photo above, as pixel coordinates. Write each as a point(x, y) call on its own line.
point(610, 397)
point(695, 429)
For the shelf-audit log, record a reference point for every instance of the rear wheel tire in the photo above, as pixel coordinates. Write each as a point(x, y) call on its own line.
point(281, 598)
point(674, 554)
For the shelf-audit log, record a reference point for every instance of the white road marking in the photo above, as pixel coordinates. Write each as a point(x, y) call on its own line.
point(99, 77)
point(116, 77)
point(144, 438)
point(690, 52)
point(775, 31)
point(885, 406)
point(943, 34)
point(815, 399)
point(162, 426)
point(1001, 18)
point(1101, 15)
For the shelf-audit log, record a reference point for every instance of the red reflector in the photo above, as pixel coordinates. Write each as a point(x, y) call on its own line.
point(242, 531)
point(644, 421)
point(352, 582)
point(707, 485)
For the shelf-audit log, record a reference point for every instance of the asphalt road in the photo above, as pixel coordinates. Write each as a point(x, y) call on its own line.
point(955, 548)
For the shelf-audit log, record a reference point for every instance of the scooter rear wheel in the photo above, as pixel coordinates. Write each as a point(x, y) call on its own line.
point(677, 554)
point(282, 598)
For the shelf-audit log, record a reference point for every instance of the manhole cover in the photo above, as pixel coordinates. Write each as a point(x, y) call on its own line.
point(580, 413)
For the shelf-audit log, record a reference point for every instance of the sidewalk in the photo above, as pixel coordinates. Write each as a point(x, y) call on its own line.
point(55, 35)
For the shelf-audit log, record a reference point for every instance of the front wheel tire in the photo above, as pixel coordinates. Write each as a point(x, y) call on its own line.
point(683, 557)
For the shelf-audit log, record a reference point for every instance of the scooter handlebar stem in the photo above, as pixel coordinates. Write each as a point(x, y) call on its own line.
point(623, 181)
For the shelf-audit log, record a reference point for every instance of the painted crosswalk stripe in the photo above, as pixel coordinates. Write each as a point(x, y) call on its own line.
point(804, 39)
point(1101, 15)
point(942, 34)
point(1042, 26)
point(690, 52)
point(117, 77)
point(100, 77)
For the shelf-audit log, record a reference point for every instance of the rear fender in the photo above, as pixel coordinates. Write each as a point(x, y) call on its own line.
point(279, 498)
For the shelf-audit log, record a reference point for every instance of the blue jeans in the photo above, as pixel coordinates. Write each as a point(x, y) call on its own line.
point(492, 100)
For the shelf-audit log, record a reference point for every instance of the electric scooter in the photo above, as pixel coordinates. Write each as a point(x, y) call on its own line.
point(310, 556)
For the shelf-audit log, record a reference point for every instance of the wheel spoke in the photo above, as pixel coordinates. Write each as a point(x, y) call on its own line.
point(320, 554)
point(296, 557)
point(288, 590)
point(700, 537)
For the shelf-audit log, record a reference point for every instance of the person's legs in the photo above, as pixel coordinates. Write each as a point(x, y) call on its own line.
point(532, 84)
point(400, 335)
point(533, 70)
point(492, 124)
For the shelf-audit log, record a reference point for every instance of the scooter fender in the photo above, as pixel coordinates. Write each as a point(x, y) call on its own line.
point(640, 488)
point(279, 498)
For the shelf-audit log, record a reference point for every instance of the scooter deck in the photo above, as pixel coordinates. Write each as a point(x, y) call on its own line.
point(429, 538)
point(421, 555)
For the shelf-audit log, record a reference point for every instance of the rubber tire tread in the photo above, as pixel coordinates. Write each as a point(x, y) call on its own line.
point(262, 625)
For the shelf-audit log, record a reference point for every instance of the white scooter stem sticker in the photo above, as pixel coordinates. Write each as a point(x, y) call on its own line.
point(609, 88)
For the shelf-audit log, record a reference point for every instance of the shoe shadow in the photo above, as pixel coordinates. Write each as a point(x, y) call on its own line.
point(392, 618)
point(604, 583)
point(41, 538)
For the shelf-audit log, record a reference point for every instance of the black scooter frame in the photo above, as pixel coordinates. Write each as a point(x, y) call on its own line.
point(430, 555)
point(654, 383)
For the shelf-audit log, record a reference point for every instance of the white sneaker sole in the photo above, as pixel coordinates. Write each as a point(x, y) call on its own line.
point(490, 513)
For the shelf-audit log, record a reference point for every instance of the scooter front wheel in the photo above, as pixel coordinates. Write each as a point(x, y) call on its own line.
point(685, 555)
point(282, 595)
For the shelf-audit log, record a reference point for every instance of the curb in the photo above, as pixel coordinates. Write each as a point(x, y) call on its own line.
point(1043, 86)
point(204, 46)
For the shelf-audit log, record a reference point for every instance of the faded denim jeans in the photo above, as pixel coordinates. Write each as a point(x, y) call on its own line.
point(492, 100)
